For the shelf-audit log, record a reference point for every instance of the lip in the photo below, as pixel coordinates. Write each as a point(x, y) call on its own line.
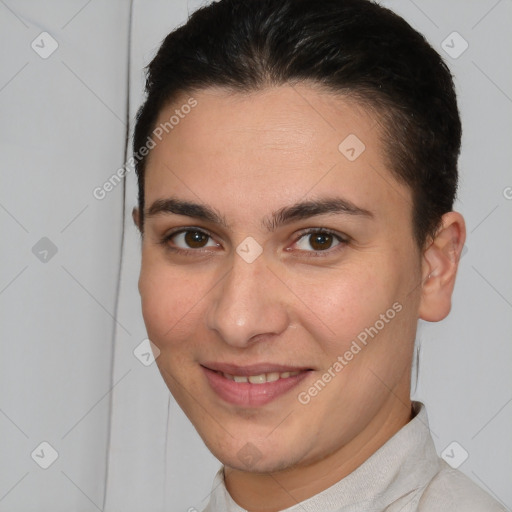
point(245, 394)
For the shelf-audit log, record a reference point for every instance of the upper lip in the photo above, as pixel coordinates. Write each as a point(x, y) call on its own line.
point(252, 369)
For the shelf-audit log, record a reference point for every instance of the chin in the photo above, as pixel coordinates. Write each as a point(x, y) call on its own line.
point(253, 461)
point(255, 454)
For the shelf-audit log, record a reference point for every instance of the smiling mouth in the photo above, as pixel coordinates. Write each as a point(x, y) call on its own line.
point(255, 385)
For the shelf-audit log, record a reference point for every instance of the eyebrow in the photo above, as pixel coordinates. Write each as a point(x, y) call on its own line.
point(283, 216)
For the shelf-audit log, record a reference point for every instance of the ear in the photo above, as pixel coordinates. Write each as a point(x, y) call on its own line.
point(136, 217)
point(439, 267)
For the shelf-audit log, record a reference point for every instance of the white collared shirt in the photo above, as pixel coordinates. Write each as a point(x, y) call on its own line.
point(404, 475)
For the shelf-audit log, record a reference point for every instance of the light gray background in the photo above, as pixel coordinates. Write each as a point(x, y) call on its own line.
point(70, 321)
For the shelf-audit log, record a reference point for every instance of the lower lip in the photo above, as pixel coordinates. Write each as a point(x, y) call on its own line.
point(251, 395)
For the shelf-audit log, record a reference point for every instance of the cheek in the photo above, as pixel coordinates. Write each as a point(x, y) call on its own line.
point(168, 299)
point(345, 302)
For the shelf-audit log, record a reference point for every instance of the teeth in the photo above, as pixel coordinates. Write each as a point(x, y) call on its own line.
point(262, 378)
point(258, 379)
point(272, 377)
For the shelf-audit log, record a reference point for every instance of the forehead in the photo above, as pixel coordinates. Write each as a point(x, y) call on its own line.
point(299, 119)
point(246, 152)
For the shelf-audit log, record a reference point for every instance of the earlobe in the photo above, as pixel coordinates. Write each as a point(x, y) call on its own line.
point(439, 268)
point(136, 216)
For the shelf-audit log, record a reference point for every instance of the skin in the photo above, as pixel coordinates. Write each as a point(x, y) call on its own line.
point(247, 156)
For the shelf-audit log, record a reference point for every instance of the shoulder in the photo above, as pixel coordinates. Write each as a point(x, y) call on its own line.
point(452, 490)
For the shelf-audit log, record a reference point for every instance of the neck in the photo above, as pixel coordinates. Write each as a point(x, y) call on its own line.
point(271, 492)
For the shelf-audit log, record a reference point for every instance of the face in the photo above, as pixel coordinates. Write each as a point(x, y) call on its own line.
point(280, 277)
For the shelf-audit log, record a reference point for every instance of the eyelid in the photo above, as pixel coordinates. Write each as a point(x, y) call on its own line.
point(182, 229)
point(311, 231)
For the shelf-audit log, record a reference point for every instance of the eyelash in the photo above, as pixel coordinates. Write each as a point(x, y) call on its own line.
point(342, 239)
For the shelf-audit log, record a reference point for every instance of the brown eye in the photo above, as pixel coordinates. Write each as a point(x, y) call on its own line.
point(189, 239)
point(318, 241)
point(196, 239)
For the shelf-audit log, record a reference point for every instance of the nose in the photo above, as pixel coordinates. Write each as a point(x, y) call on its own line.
point(249, 304)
